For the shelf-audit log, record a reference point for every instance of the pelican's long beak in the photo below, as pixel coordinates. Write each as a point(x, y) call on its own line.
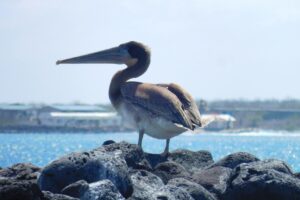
point(117, 55)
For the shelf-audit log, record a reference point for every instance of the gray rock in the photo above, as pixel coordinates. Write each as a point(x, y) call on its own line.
point(265, 165)
point(171, 192)
point(195, 190)
point(21, 171)
point(169, 170)
point(132, 153)
point(102, 190)
point(12, 189)
point(50, 196)
point(262, 185)
point(155, 159)
point(89, 166)
point(108, 142)
point(145, 184)
point(235, 177)
point(76, 189)
point(297, 175)
point(191, 160)
point(233, 160)
point(214, 179)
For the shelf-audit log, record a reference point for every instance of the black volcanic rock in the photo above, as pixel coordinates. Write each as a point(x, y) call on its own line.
point(108, 142)
point(148, 186)
point(267, 179)
point(123, 170)
point(195, 190)
point(50, 196)
point(233, 160)
point(191, 160)
point(155, 159)
point(267, 164)
point(297, 175)
point(76, 189)
point(102, 190)
point(214, 179)
point(132, 153)
point(145, 184)
point(171, 192)
point(13, 189)
point(89, 166)
point(169, 170)
point(21, 171)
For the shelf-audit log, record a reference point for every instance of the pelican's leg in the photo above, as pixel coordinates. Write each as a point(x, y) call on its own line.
point(166, 151)
point(141, 135)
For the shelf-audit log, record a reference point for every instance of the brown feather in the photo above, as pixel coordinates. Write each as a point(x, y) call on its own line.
point(157, 100)
point(187, 101)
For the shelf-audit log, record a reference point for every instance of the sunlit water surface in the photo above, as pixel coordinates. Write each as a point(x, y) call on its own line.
point(41, 149)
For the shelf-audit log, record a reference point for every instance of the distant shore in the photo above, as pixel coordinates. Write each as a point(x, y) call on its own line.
point(37, 130)
point(232, 116)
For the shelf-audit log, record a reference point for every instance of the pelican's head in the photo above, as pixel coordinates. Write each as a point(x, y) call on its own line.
point(128, 53)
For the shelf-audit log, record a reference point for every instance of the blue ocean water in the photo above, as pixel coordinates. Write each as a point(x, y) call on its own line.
point(42, 148)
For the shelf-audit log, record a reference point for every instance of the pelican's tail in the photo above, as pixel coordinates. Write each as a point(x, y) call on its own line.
point(205, 121)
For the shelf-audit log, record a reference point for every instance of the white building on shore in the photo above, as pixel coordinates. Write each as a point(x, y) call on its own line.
point(83, 117)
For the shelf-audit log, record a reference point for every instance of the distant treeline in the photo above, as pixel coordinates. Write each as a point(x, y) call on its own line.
point(267, 114)
point(257, 104)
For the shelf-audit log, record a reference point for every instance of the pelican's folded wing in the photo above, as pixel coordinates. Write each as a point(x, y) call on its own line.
point(157, 100)
point(187, 101)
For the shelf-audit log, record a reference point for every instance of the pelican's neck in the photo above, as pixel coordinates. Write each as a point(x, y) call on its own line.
point(120, 78)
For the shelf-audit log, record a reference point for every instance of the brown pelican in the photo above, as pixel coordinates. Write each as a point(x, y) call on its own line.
point(159, 110)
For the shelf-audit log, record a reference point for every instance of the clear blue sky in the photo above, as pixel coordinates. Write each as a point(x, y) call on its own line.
point(215, 49)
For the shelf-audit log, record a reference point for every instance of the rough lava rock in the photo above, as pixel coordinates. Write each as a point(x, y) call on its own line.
point(50, 196)
point(233, 160)
point(145, 184)
point(171, 192)
point(155, 159)
point(123, 170)
point(21, 171)
point(169, 170)
point(89, 166)
point(108, 142)
point(297, 175)
point(214, 179)
point(267, 179)
point(132, 153)
point(265, 165)
point(248, 184)
point(102, 190)
point(191, 160)
point(13, 189)
point(76, 189)
point(195, 190)
point(19, 182)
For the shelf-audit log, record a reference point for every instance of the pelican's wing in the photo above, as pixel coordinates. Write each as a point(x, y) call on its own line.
point(157, 100)
point(188, 103)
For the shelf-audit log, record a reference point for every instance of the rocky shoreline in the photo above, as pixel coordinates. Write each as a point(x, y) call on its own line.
point(123, 171)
